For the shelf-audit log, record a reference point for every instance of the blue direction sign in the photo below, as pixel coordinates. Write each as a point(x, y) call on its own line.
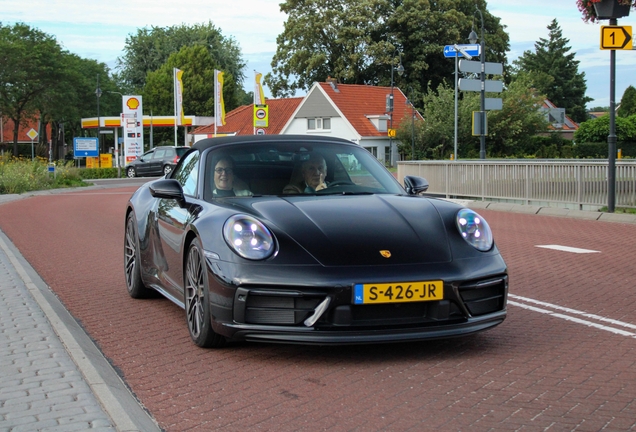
point(85, 147)
point(473, 50)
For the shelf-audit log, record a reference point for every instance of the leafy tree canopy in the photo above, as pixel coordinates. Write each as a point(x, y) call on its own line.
point(596, 130)
point(149, 49)
point(198, 84)
point(628, 103)
point(552, 59)
point(357, 41)
point(30, 67)
point(511, 129)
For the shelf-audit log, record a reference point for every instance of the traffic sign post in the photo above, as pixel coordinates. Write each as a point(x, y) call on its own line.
point(472, 50)
point(616, 37)
point(33, 135)
point(85, 147)
point(493, 104)
point(455, 51)
point(261, 116)
point(490, 86)
point(475, 67)
point(480, 118)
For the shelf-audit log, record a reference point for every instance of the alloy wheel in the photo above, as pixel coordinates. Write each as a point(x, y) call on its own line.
point(194, 293)
point(130, 255)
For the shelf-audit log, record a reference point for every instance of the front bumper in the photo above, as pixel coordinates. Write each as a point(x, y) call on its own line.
point(327, 314)
point(315, 336)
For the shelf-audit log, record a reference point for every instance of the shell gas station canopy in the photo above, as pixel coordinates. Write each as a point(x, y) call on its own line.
point(154, 121)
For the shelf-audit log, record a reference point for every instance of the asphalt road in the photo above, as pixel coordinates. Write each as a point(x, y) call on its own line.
point(563, 360)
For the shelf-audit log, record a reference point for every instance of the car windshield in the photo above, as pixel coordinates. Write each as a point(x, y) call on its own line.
point(289, 169)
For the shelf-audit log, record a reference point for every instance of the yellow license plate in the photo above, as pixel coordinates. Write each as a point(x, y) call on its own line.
point(401, 292)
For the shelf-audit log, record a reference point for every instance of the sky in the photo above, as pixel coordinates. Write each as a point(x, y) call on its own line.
point(98, 30)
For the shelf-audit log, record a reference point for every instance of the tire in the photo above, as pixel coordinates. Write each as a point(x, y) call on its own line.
point(167, 169)
point(132, 272)
point(131, 173)
point(196, 298)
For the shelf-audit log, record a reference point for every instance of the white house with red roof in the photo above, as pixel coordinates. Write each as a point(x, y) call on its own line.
point(357, 113)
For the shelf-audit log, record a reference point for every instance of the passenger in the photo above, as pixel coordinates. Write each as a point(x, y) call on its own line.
point(224, 179)
point(313, 172)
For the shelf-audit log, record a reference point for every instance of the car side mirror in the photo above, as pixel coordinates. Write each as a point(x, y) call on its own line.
point(168, 189)
point(415, 185)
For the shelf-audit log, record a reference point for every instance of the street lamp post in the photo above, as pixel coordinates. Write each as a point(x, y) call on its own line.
point(482, 77)
point(410, 101)
point(400, 71)
point(98, 93)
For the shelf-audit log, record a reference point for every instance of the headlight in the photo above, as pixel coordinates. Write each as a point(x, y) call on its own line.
point(474, 229)
point(248, 237)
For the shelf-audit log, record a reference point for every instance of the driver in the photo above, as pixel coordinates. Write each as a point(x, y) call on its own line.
point(313, 171)
point(224, 180)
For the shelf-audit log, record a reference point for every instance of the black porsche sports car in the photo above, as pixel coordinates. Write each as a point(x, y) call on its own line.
point(362, 260)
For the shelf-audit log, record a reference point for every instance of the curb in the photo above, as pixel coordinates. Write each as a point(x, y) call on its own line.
point(115, 398)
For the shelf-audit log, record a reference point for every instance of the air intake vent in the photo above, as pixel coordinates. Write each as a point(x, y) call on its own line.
point(483, 297)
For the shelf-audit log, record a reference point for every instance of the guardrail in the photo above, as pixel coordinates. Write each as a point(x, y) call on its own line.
point(551, 182)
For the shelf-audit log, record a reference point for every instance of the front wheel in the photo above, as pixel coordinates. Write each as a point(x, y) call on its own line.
point(197, 300)
point(136, 288)
point(130, 172)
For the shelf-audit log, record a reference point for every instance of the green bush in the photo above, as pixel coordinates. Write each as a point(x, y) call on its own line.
point(19, 175)
point(600, 150)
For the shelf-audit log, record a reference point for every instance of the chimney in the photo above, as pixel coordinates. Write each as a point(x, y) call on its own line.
point(333, 83)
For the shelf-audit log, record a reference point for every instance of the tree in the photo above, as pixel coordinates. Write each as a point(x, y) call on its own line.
point(198, 85)
point(75, 98)
point(552, 59)
point(30, 72)
point(149, 49)
point(510, 130)
point(596, 130)
point(628, 103)
point(357, 41)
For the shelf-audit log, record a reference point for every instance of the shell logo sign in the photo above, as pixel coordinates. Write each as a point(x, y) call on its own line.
point(133, 103)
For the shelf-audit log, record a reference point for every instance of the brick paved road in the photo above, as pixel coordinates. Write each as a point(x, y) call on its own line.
point(543, 368)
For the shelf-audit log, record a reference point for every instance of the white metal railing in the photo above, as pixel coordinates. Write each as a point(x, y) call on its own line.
point(580, 182)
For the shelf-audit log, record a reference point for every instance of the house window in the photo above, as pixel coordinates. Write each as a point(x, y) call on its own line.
point(319, 124)
point(382, 125)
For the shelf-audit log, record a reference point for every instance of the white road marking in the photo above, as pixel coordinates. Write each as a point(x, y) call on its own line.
point(574, 319)
point(567, 249)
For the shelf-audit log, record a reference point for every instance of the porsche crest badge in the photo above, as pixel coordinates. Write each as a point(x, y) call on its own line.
point(385, 253)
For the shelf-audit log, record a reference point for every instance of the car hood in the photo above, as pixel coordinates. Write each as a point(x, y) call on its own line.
point(360, 230)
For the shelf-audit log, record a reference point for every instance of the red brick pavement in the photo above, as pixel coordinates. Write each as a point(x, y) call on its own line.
point(532, 372)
